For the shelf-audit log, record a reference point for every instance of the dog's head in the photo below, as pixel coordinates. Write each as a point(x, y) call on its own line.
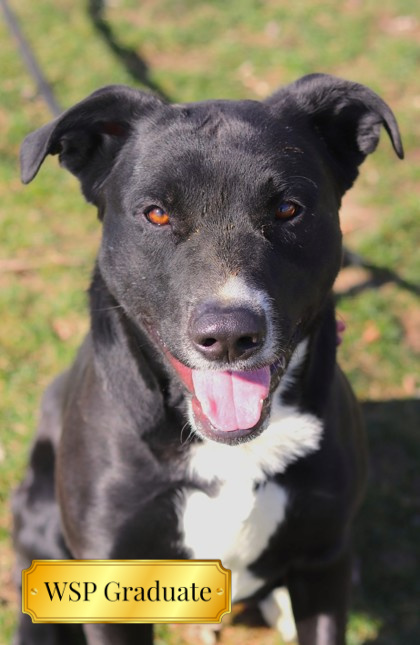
point(220, 224)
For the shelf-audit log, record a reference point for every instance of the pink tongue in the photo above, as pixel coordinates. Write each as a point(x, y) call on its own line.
point(232, 400)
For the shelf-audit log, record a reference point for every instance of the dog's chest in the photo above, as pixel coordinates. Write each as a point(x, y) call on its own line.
point(233, 523)
point(233, 511)
point(234, 506)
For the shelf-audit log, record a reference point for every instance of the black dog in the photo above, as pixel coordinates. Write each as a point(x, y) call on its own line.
point(205, 415)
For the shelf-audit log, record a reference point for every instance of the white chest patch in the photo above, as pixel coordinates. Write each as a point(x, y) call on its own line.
point(234, 525)
point(236, 520)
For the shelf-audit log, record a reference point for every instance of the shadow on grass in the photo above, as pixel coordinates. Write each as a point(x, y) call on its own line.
point(378, 277)
point(388, 528)
point(135, 65)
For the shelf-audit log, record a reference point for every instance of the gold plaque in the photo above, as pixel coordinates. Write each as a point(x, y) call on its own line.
point(126, 591)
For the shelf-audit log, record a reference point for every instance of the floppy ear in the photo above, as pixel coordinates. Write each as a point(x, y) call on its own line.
point(88, 136)
point(347, 116)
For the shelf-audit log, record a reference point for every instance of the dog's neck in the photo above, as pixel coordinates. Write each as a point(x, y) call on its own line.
point(318, 370)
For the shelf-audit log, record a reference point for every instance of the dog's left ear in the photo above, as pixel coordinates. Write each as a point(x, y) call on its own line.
point(345, 115)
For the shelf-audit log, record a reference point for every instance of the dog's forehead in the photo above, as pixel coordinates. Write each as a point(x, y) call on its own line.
point(214, 124)
point(218, 138)
point(221, 116)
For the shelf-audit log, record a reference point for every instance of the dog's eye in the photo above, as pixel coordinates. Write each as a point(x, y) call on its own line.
point(157, 216)
point(287, 210)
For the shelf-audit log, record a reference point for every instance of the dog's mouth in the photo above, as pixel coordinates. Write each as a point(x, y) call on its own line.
point(229, 406)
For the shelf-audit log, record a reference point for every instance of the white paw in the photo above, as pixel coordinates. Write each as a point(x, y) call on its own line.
point(277, 611)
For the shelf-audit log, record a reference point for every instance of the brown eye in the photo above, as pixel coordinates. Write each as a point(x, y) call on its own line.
point(157, 216)
point(287, 210)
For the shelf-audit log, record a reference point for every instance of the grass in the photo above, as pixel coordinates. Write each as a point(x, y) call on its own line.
point(49, 235)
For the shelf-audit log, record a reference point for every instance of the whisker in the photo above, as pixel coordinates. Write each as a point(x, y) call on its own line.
point(306, 178)
point(101, 309)
point(186, 425)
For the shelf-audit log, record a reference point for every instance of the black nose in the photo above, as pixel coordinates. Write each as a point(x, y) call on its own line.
point(227, 334)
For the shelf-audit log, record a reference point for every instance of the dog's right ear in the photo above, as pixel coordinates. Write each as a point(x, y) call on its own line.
point(88, 136)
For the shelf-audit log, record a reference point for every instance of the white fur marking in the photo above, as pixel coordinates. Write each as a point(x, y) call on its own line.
point(277, 611)
point(235, 525)
point(237, 290)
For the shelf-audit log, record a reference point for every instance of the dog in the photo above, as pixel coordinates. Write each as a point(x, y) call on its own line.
point(205, 415)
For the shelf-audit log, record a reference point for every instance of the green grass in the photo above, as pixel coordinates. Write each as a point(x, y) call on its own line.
point(242, 48)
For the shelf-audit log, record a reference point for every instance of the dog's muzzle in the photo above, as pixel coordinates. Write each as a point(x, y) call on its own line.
point(228, 405)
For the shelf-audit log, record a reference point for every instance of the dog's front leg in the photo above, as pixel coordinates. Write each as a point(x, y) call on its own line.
point(106, 634)
point(320, 600)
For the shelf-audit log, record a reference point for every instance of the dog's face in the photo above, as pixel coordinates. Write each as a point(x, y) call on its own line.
point(220, 225)
point(213, 236)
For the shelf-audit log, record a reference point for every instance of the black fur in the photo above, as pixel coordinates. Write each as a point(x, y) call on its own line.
point(109, 468)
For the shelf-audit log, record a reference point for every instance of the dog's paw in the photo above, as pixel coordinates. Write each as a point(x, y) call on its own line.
point(277, 612)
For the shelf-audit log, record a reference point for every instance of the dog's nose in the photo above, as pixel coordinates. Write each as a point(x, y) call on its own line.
point(227, 333)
